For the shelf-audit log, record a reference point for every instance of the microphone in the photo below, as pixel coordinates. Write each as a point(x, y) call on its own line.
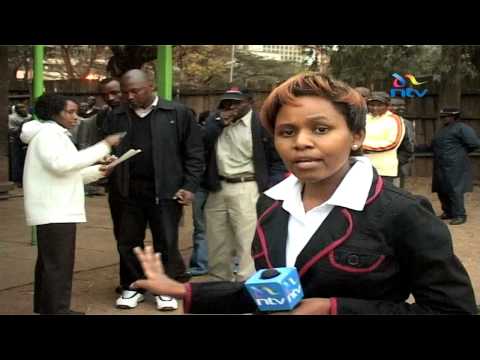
point(276, 289)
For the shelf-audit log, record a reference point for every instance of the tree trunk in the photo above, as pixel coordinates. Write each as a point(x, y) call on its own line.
point(68, 62)
point(451, 80)
point(4, 82)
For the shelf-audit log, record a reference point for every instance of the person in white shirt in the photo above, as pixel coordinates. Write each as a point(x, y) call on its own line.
point(55, 172)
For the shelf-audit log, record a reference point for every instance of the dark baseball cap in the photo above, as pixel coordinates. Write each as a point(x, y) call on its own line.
point(235, 93)
point(381, 96)
point(449, 112)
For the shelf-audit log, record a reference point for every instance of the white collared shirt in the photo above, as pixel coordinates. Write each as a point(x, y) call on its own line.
point(144, 112)
point(352, 193)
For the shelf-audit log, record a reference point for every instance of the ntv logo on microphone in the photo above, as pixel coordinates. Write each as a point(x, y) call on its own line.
point(281, 292)
point(400, 89)
point(265, 295)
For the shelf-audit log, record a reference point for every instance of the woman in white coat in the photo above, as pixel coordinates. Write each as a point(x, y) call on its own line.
point(54, 175)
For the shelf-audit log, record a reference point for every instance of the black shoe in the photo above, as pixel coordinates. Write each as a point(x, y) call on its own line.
point(458, 220)
point(72, 312)
point(445, 217)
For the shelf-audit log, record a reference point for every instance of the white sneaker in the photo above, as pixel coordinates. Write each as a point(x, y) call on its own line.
point(166, 303)
point(129, 299)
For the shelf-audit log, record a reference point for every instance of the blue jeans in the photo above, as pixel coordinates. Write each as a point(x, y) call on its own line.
point(199, 259)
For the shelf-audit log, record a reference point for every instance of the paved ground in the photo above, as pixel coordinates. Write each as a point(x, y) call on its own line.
point(96, 267)
point(96, 263)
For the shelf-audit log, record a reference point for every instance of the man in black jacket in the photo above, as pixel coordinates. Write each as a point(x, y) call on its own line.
point(241, 163)
point(153, 186)
point(452, 173)
point(90, 130)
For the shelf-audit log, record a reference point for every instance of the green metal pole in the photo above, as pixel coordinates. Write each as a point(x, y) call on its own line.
point(38, 55)
point(164, 73)
point(38, 89)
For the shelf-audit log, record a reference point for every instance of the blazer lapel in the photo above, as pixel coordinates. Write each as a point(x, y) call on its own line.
point(332, 229)
point(275, 227)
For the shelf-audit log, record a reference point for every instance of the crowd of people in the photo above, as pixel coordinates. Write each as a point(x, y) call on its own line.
point(312, 181)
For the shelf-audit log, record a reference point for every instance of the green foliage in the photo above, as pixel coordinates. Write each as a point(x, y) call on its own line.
point(208, 66)
point(373, 64)
point(199, 66)
point(255, 71)
point(202, 66)
point(61, 61)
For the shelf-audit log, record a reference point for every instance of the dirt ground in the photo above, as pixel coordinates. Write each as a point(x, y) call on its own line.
point(96, 267)
point(465, 243)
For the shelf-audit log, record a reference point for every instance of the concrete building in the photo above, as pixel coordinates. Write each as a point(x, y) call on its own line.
point(275, 52)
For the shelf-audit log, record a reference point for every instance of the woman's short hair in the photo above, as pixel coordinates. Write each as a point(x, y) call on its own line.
point(49, 105)
point(345, 99)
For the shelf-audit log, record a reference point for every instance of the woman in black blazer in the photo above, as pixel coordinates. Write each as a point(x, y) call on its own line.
point(361, 246)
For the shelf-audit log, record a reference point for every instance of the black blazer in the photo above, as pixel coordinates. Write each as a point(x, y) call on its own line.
point(367, 262)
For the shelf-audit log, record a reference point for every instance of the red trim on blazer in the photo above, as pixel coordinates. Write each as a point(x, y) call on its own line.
point(263, 243)
point(187, 300)
point(352, 269)
point(266, 212)
point(332, 246)
point(261, 235)
point(325, 251)
point(336, 243)
point(376, 193)
point(333, 306)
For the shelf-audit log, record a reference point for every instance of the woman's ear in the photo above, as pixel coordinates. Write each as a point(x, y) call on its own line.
point(358, 138)
point(56, 118)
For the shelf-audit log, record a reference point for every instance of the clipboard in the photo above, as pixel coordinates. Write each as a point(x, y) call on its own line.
point(124, 157)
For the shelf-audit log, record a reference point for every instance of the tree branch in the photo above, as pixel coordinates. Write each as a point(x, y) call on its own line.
point(68, 61)
point(93, 57)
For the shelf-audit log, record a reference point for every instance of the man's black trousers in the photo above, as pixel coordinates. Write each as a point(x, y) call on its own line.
point(138, 210)
point(452, 203)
